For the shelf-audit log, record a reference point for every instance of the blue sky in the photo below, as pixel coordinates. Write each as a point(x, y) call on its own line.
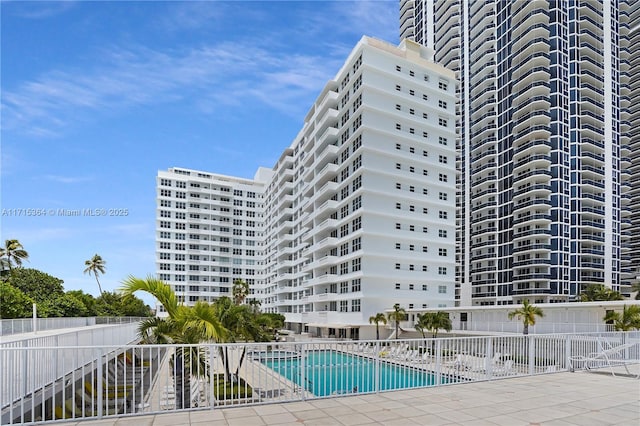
point(99, 96)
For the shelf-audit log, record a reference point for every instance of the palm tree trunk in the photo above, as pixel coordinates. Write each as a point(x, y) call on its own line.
point(525, 330)
point(99, 286)
point(227, 370)
point(377, 332)
point(244, 351)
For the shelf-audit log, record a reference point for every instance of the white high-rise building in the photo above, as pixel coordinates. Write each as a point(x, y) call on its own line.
point(543, 142)
point(358, 213)
point(630, 101)
point(209, 232)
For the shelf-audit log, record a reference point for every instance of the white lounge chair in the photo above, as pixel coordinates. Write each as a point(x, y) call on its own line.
point(621, 355)
point(505, 370)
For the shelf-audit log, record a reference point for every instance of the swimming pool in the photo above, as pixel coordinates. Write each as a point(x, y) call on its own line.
point(331, 372)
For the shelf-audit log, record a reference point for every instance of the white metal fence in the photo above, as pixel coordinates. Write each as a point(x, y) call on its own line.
point(27, 325)
point(105, 381)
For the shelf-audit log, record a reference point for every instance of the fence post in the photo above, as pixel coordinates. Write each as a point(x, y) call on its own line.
point(98, 384)
point(532, 353)
point(376, 368)
point(438, 362)
point(212, 396)
point(488, 360)
point(303, 375)
point(567, 350)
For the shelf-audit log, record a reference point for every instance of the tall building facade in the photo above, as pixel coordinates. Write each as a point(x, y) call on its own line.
point(543, 142)
point(630, 101)
point(357, 214)
point(209, 231)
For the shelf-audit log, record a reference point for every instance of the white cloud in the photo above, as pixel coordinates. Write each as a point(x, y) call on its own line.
point(38, 9)
point(226, 73)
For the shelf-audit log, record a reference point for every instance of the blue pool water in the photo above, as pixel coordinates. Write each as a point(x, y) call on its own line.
point(329, 372)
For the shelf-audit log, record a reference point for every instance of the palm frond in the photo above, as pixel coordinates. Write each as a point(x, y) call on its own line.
point(155, 287)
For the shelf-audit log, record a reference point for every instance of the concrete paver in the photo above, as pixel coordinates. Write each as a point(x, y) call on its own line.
point(546, 400)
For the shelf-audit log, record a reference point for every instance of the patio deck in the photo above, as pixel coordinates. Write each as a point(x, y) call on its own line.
point(580, 398)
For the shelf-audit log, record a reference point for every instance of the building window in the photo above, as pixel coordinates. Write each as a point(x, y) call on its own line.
point(442, 140)
point(356, 224)
point(398, 246)
point(356, 203)
point(397, 266)
point(356, 244)
point(442, 159)
point(357, 162)
point(442, 177)
point(442, 196)
point(442, 289)
point(442, 85)
point(442, 252)
point(397, 286)
point(355, 265)
point(424, 287)
point(442, 104)
point(442, 270)
point(355, 305)
point(355, 285)
point(357, 183)
point(442, 233)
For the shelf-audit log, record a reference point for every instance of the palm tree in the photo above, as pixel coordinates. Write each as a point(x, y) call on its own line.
point(423, 323)
point(12, 253)
point(241, 324)
point(440, 320)
point(628, 320)
point(239, 291)
point(599, 292)
point(377, 319)
point(95, 265)
point(184, 325)
point(527, 313)
point(398, 314)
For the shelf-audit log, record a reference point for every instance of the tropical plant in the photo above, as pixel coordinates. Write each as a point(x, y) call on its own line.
point(12, 254)
point(433, 321)
point(185, 325)
point(527, 313)
point(628, 320)
point(36, 284)
point(94, 266)
point(378, 319)
point(423, 323)
point(13, 302)
point(241, 325)
point(239, 291)
point(398, 314)
point(599, 292)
